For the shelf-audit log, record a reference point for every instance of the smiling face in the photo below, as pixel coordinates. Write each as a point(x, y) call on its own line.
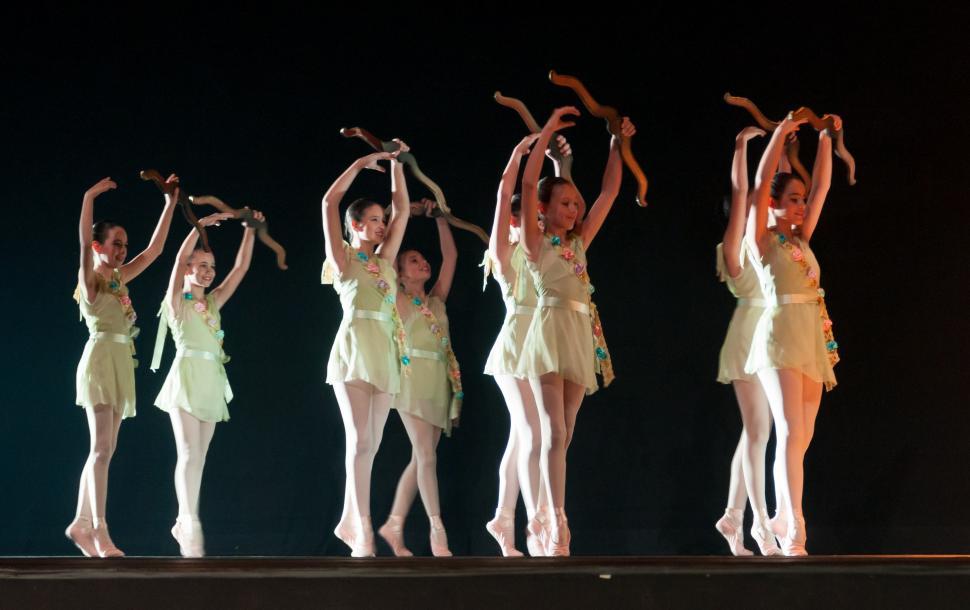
point(114, 249)
point(412, 266)
point(200, 270)
point(562, 210)
point(370, 226)
point(789, 206)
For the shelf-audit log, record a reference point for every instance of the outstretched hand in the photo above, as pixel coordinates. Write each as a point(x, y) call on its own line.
point(101, 186)
point(790, 124)
point(558, 118)
point(214, 219)
point(627, 128)
point(523, 147)
point(565, 150)
point(750, 132)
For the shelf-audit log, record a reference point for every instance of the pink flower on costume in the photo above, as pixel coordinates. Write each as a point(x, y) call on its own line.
point(212, 322)
point(125, 300)
point(373, 268)
point(826, 324)
point(568, 254)
point(597, 330)
point(797, 255)
point(578, 268)
point(435, 328)
point(200, 307)
point(812, 274)
point(425, 311)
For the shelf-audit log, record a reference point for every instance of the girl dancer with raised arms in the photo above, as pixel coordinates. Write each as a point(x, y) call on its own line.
point(368, 352)
point(564, 348)
point(793, 351)
point(742, 272)
point(106, 373)
point(431, 395)
point(196, 389)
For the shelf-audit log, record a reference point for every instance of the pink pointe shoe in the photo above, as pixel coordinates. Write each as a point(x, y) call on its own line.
point(502, 528)
point(764, 537)
point(102, 540)
point(81, 533)
point(731, 526)
point(360, 542)
point(793, 544)
point(188, 534)
point(536, 537)
point(393, 533)
point(559, 538)
point(439, 538)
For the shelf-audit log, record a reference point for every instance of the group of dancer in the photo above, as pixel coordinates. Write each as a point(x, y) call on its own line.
point(393, 349)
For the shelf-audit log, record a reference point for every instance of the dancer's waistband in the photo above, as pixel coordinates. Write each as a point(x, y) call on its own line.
point(426, 354)
point(198, 353)
point(520, 310)
point(795, 299)
point(369, 314)
point(743, 302)
point(576, 306)
point(116, 337)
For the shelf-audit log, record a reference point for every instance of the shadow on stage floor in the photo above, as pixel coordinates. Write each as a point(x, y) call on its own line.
point(861, 581)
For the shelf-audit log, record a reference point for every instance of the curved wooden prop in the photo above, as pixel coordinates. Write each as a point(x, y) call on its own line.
point(246, 216)
point(565, 163)
point(184, 201)
point(613, 123)
point(827, 122)
point(408, 159)
point(838, 137)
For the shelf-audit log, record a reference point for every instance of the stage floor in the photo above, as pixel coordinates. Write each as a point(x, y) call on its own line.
point(860, 581)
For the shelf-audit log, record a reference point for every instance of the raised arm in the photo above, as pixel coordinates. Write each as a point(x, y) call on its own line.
point(565, 151)
point(449, 258)
point(610, 189)
point(86, 274)
point(531, 234)
point(176, 280)
point(400, 208)
point(147, 256)
point(821, 180)
point(331, 206)
point(766, 171)
point(738, 216)
point(498, 242)
point(244, 256)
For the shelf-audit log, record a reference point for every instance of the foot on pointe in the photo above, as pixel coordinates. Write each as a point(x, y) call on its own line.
point(502, 529)
point(102, 541)
point(731, 527)
point(393, 533)
point(439, 538)
point(80, 533)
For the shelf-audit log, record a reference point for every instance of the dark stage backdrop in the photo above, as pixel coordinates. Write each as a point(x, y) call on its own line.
point(251, 113)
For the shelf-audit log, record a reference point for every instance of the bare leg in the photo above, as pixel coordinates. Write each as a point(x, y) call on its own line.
point(364, 412)
point(89, 530)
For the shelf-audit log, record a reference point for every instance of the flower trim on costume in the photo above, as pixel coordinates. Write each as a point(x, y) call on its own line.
point(119, 289)
point(384, 288)
point(811, 275)
point(454, 372)
point(601, 351)
point(202, 308)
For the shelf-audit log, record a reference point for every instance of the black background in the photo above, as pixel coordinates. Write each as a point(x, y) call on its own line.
point(246, 105)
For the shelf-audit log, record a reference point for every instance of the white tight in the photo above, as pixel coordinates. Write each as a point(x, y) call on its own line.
point(749, 458)
point(421, 473)
point(794, 400)
point(558, 402)
point(103, 426)
point(192, 438)
point(519, 468)
point(364, 411)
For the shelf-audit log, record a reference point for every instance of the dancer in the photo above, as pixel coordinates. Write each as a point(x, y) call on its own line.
point(564, 347)
point(742, 272)
point(519, 467)
point(793, 351)
point(431, 395)
point(106, 372)
point(196, 389)
point(368, 352)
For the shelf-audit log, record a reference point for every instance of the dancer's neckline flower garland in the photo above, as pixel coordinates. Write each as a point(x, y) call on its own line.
point(211, 322)
point(384, 287)
point(454, 372)
point(602, 352)
point(117, 288)
point(811, 275)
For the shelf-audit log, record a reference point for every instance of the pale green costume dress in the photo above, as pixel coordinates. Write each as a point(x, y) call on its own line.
point(519, 295)
point(750, 305)
point(365, 347)
point(197, 381)
point(789, 334)
point(426, 392)
point(560, 337)
point(106, 372)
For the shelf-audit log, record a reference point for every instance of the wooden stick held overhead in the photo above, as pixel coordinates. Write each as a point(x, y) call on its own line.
point(614, 124)
point(246, 215)
point(565, 163)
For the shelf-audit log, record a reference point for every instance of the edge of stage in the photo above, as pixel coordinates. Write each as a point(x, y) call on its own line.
point(858, 581)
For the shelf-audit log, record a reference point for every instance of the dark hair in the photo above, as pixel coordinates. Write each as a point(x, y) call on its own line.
point(355, 213)
point(547, 184)
point(400, 256)
point(780, 182)
point(99, 231)
point(516, 204)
